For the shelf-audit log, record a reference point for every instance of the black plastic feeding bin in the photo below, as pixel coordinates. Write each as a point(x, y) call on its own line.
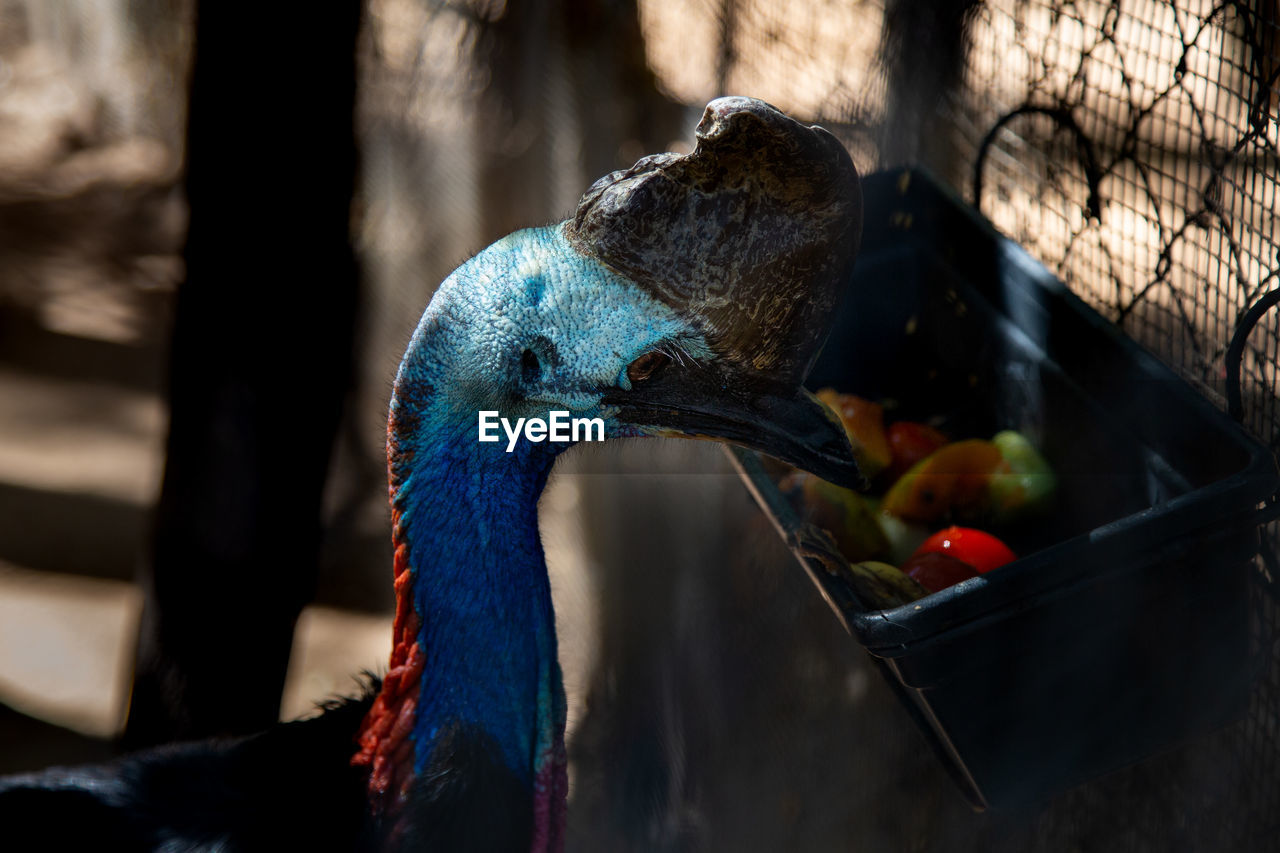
point(1124, 626)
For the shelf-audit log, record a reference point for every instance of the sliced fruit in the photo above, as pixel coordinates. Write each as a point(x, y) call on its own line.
point(951, 480)
point(909, 442)
point(904, 536)
point(850, 517)
point(864, 424)
point(935, 571)
point(1028, 486)
point(882, 585)
point(977, 548)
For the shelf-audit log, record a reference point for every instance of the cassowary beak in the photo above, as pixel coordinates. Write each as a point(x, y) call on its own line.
point(786, 422)
point(752, 238)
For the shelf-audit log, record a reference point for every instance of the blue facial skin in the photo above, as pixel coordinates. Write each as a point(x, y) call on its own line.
point(527, 326)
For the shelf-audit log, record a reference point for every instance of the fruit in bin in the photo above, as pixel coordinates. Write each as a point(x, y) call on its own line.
point(997, 480)
point(952, 480)
point(863, 422)
point(936, 571)
point(1028, 484)
point(976, 548)
point(904, 537)
point(847, 515)
point(909, 442)
point(882, 585)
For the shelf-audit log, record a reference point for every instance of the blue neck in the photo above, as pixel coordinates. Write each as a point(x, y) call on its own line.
point(480, 587)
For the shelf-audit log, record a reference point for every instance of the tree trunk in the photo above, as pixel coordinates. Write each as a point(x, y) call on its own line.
point(260, 365)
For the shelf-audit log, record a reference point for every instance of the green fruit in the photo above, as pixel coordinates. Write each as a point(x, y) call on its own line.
point(849, 517)
point(1027, 487)
point(882, 585)
point(903, 537)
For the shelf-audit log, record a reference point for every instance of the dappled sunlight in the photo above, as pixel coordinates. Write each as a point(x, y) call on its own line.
point(66, 648)
point(1164, 96)
point(815, 59)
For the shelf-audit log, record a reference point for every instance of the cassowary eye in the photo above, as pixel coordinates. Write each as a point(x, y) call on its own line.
point(647, 366)
point(530, 367)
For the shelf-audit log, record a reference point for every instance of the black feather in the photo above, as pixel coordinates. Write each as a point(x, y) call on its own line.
point(289, 788)
point(465, 799)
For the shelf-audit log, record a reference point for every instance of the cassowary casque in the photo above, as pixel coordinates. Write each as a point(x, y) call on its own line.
point(688, 295)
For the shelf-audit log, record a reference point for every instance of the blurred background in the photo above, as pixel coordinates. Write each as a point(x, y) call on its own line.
point(218, 228)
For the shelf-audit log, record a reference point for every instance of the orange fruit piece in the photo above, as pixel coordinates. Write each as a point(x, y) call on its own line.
point(951, 480)
point(863, 422)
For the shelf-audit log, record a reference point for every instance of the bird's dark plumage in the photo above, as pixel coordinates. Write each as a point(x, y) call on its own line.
point(288, 788)
point(466, 799)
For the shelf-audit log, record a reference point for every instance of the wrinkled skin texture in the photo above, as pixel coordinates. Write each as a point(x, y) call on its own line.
point(756, 231)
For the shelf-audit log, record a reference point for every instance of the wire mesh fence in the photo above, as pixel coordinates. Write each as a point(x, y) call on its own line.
point(1132, 148)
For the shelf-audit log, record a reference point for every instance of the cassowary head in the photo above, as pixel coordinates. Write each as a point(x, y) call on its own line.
point(688, 296)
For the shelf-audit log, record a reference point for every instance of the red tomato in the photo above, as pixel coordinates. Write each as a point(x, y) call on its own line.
point(981, 550)
point(935, 570)
point(909, 443)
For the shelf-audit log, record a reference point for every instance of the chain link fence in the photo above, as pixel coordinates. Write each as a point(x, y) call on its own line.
point(1132, 148)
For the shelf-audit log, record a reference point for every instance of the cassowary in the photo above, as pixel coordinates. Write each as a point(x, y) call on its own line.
point(687, 296)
